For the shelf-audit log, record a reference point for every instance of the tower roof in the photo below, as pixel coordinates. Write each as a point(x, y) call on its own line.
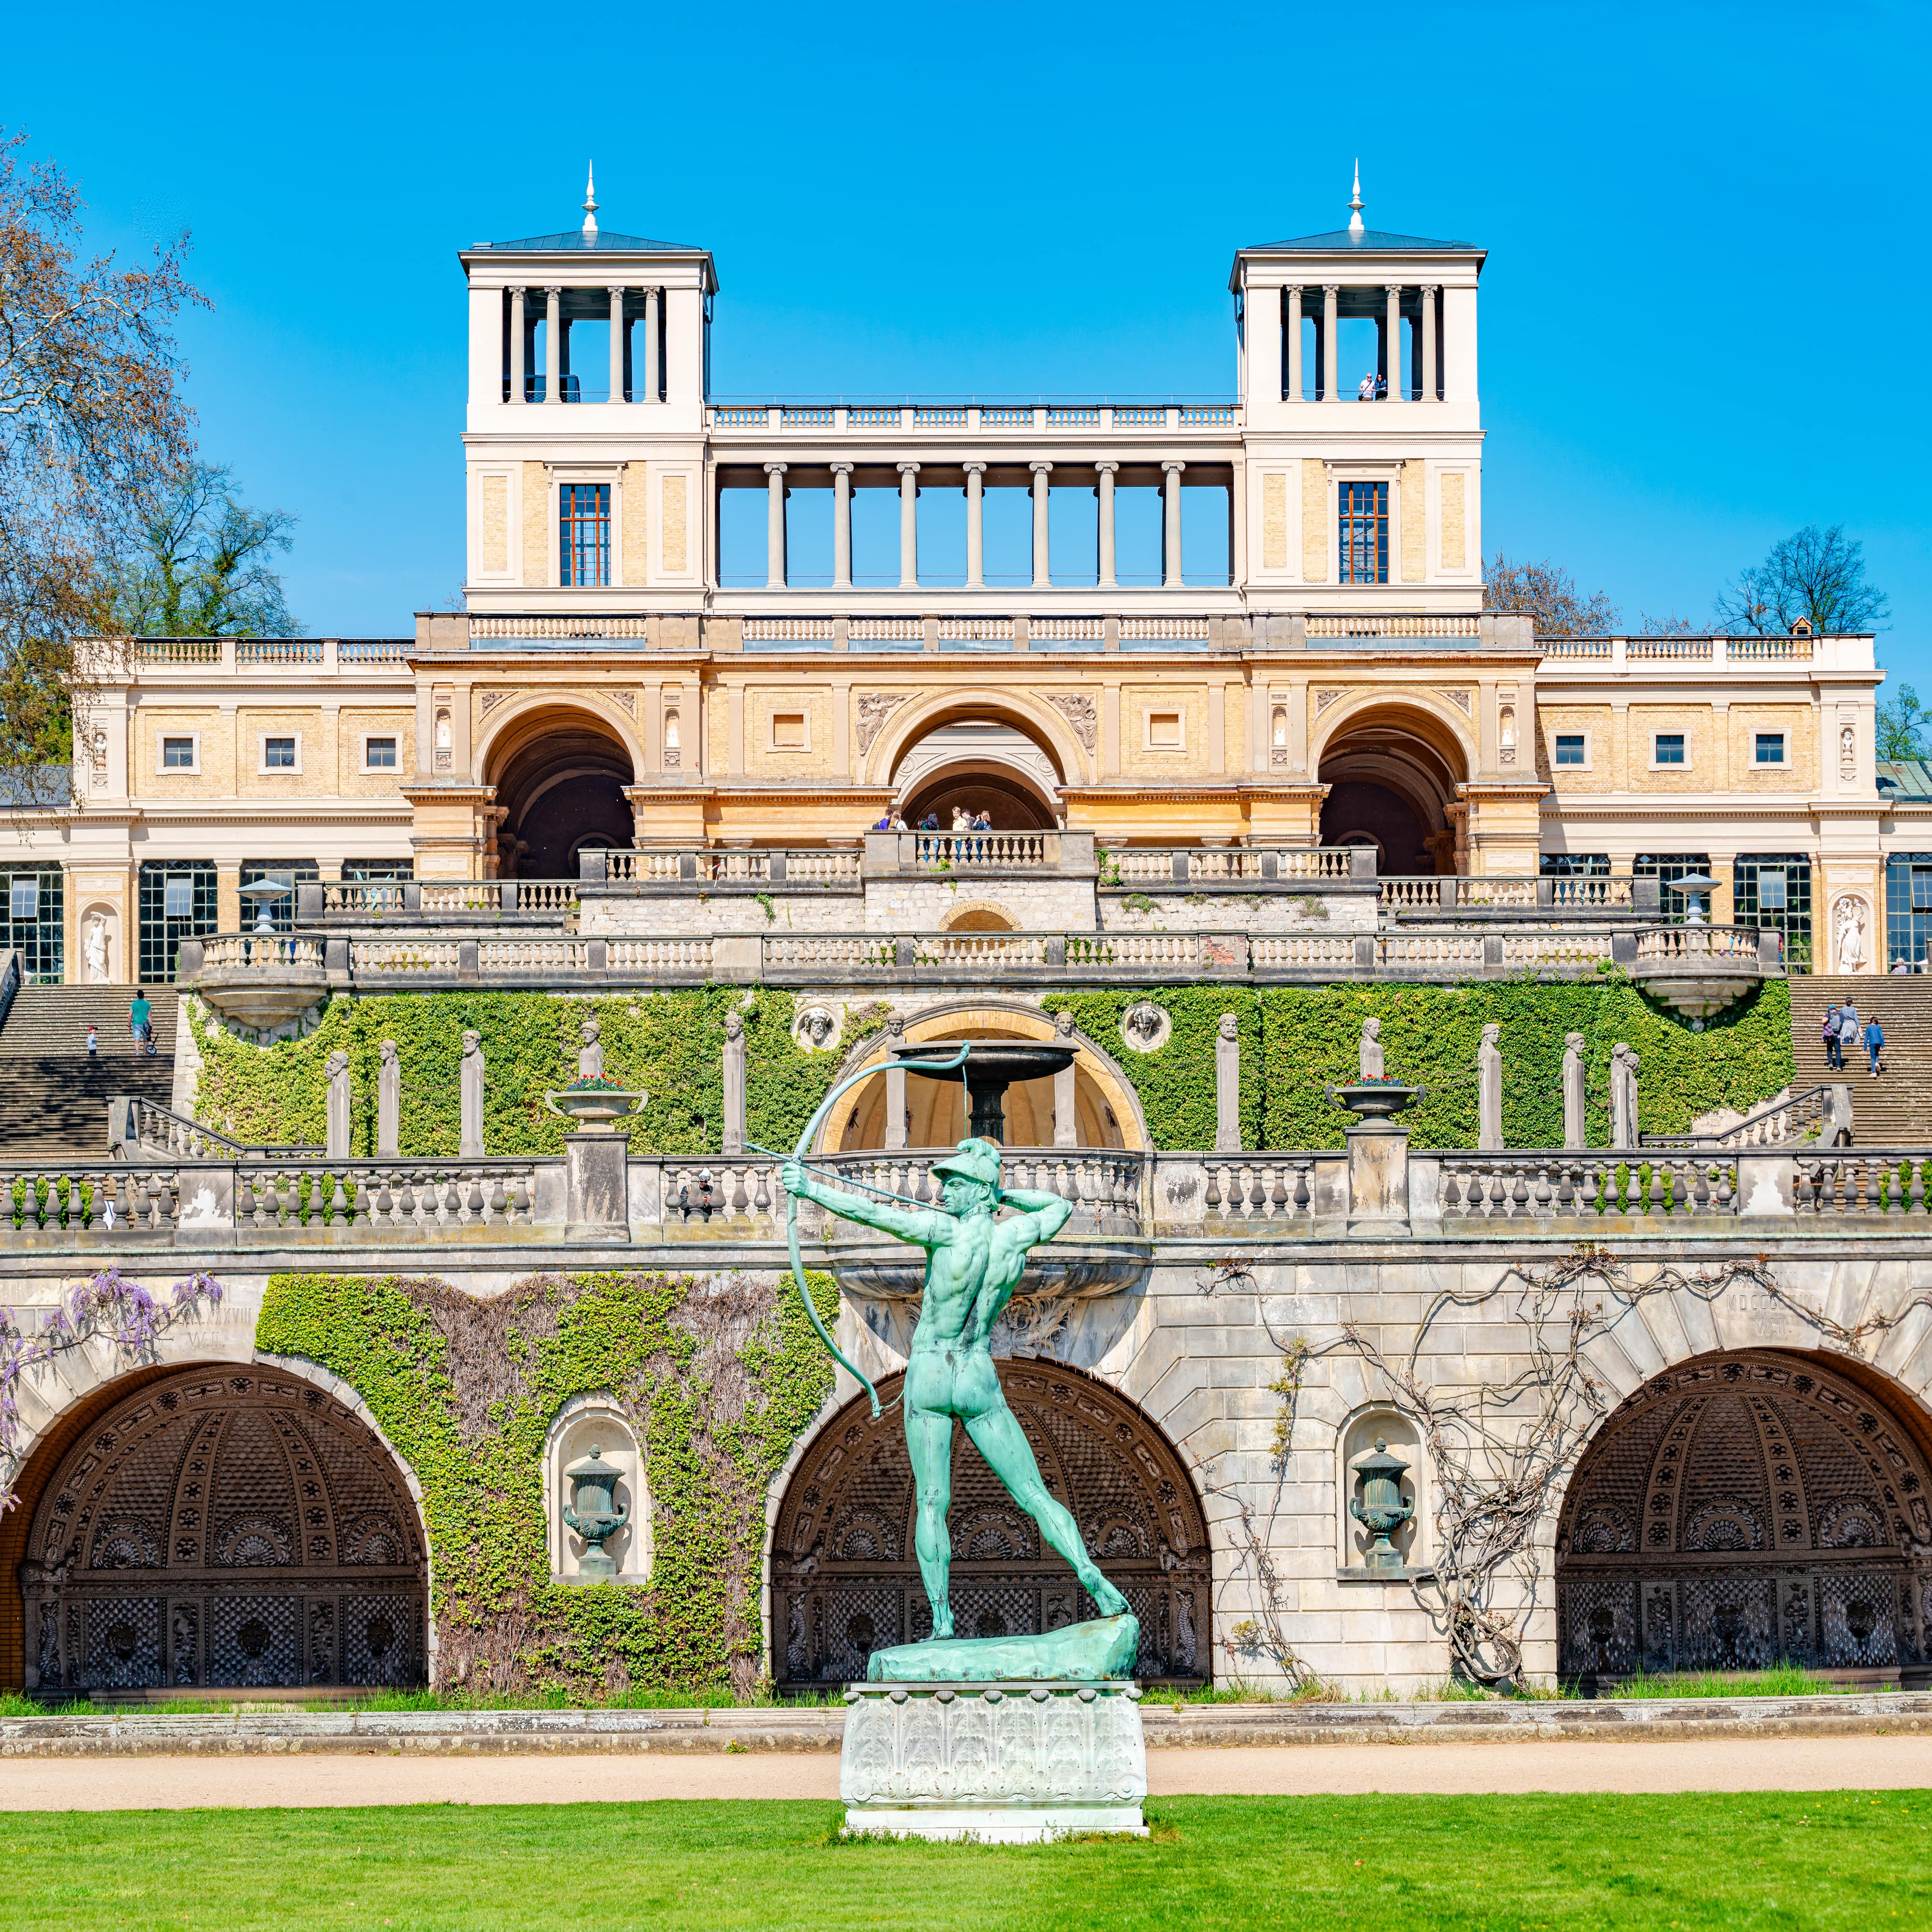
point(575, 240)
point(1368, 241)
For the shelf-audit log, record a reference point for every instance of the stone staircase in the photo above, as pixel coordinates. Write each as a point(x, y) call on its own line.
point(1896, 1109)
point(53, 1100)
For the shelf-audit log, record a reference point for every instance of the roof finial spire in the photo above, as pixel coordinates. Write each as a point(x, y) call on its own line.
point(1355, 205)
point(590, 203)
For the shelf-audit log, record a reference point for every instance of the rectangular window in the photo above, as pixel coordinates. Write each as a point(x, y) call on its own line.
point(177, 901)
point(1164, 731)
point(788, 731)
point(1771, 748)
point(379, 754)
point(177, 754)
point(1666, 868)
point(278, 754)
point(1772, 891)
point(24, 902)
point(1570, 748)
point(1574, 864)
point(289, 872)
point(1669, 749)
point(1922, 889)
point(36, 926)
point(584, 513)
point(178, 895)
point(1364, 531)
point(1908, 909)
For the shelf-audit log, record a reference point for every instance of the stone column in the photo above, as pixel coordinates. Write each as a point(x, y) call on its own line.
point(1105, 472)
point(336, 1135)
point(1331, 354)
point(1042, 574)
point(653, 324)
point(553, 345)
point(976, 527)
point(775, 525)
point(1066, 1101)
point(1170, 524)
point(732, 1140)
point(1429, 294)
point(1489, 1090)
point(389, 1103)
point(1227, 1088)
point(1291, 362)
point(617, 345)
point(895, 1084)
point(1576, 1117)
point(517, 329)
point(842, 526)
point(908, 526)
point(469, 1086)
point(1393, 356)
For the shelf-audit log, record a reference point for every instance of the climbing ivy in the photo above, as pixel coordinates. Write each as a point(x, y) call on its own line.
point(670, 1044)
point(719, 1377)
point(1296, 1039)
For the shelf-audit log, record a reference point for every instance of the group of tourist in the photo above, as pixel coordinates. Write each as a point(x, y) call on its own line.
point(1842, 1028)
point(962, 821)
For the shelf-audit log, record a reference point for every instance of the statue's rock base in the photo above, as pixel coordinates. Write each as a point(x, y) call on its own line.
point(1010, 1763)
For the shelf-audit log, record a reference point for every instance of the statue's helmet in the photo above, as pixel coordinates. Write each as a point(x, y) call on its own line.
point(976, 1160)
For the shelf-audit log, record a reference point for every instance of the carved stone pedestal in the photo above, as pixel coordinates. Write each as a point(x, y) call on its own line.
point(1010, 1763)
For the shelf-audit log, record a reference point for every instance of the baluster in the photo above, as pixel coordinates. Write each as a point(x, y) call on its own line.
point(137, 1206)
point(1449, 1192)
point(741, 1199)
point(1915, 1202)
point(338, 1204)
point(1211, 1199)
point(1723, 1191)
point(1519, 1195)
point(246, 1211)
point(761, 1200)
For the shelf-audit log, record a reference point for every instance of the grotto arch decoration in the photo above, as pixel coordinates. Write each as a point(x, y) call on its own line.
point(228, 1525)
point(1748, 1507)
point(844, 1578)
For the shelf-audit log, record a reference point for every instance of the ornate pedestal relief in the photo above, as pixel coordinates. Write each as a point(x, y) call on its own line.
point(1009, 1763)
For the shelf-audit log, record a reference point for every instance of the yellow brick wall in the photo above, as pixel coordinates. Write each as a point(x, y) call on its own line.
point(1455, 522)
point(1606, 763)
point(760, 761)
point(1314, 521)
point(492, 549)
point(717, 732)
point(352, 781)
point(150, 725)
point(1137, 701)
point(536, 524)
point(1703, 769)
point(315, 750)
point(676, 547)
point(1234, 729)
point(1414, 492)
point(636, 561)
point(1800, 769)
point(1274, 520)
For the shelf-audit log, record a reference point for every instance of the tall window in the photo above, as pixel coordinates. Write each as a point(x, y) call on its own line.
point(1908, 907)
point(1773, 890)
point(1667, 868)
point(177, 903)
point(1364, 509)
point(35, 925)
point(290, 872)
point(583, 511)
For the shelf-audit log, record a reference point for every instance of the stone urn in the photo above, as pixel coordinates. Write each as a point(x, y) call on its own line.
point(1376, 1100)
point(594, 1512)
point(595, 1106)
point(1380, 1508)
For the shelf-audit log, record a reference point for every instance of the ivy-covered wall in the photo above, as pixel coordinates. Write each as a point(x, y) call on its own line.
point(671, 1044)
point(1294, 1039)
point(718, 1376)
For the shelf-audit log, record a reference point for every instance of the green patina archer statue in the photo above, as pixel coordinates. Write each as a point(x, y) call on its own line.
point(973, 1263)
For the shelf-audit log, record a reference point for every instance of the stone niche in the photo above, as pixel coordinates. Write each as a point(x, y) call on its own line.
point(585, 1423)
point(1352, 1539)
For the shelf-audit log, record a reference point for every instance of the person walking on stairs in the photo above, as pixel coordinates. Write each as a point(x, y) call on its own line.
point(140, 1023)
point(1875, 1044)
point(1851, 1029)
point(94, 1042)
point(1834, 1052)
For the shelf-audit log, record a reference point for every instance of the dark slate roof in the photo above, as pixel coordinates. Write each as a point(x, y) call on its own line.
point(1370, 241)
point(36, 787)
point(604, 241)
point(1907, 778)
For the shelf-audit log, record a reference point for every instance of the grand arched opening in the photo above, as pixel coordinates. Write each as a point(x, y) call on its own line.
point(216, 1527)
point(1746, 1508)
point(560, 775)
point(1392, 772)
point(979, 765)
point(845, 1578)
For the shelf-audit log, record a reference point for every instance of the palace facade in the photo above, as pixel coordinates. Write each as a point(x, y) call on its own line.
point(1246, 623)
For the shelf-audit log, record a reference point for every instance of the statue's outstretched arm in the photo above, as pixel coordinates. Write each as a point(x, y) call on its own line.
point(916, 1225)
point(1042, 1215)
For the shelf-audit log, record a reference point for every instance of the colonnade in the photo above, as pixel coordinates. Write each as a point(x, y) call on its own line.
point(624, 386)
point(1423, 379)
point(1042, 473)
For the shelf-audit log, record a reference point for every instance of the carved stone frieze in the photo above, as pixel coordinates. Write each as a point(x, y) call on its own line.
point(1078, 708)
point(1323, 699)
point(874, 708)
point(1458, 698)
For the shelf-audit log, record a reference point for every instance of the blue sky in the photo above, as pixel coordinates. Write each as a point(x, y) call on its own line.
point(1704, 313)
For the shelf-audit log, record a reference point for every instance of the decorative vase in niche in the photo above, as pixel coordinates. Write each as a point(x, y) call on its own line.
point(594, 1512)
point(1380, 1508)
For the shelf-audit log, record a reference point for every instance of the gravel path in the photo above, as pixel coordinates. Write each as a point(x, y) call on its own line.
point(1738, 1764)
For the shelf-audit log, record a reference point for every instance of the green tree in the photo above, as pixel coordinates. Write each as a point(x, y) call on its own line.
point(1902, 721)
point(93, 431)
point(1547, 594)
point(201, 566)
point(1818, 575)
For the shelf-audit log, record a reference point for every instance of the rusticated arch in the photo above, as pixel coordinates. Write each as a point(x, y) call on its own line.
point(845, 1582)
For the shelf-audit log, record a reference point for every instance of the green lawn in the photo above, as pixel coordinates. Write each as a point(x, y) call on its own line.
point(1841, 1858)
